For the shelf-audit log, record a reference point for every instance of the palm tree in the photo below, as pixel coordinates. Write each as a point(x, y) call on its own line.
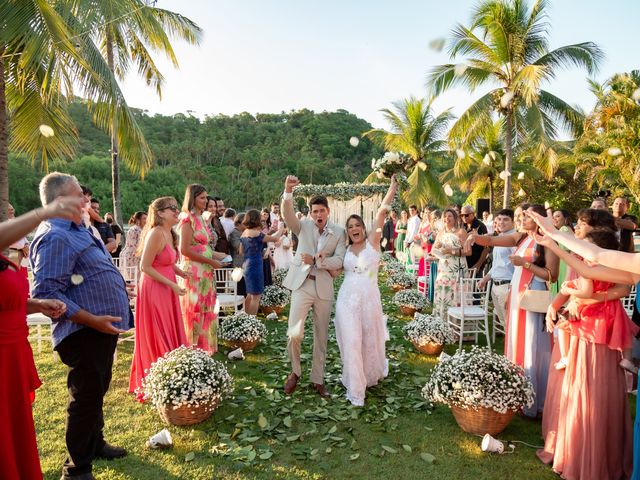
point(125, 30)
point(507, 44)
point(477, 171)
point(416, 132)
point(42, 59)
point(608, 153)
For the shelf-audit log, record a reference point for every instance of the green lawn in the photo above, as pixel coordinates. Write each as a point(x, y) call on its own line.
point(305, 437)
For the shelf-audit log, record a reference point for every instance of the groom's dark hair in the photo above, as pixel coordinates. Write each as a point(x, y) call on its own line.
point(318, 200)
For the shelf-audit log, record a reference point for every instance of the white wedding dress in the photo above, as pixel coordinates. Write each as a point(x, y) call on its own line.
point(361, 326)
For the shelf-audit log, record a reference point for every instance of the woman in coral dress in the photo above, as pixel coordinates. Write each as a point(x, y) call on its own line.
point(159, 327)
point(199, 309)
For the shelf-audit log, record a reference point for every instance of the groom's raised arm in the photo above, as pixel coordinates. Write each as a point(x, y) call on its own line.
point(287, 205)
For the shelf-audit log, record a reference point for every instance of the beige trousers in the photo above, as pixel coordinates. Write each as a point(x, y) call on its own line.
point(499, 298)
point(302, 300)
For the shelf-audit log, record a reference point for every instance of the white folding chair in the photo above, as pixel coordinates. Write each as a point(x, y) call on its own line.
point(469, 318)
point(38, 320)
point(116, 262)
point(629, 301)
point(227, 289)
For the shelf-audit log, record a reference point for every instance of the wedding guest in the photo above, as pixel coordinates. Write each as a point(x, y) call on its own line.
point(488, 219)
point(435, 220)
point(517, 218)
point(501, 271)
point(18, 250)
point(470, 223)
point(413, 226)
point(106, 234)
point(283, 255)
point(594, 424)
point(526, 342)
point(70, 265)
point(198, 306)
point(236, 255)
point(227, 221)
point(18, 376)
point(562, 221)
point(159, 326)
point(388, 232)
point(128, 257)
point(401, 232)
point(275, 215)
point(267, 248)
point(599, 203)
point(451, 263)
point(423, 240)
point(252, 242)
point(222, 244)
point(626, 224)
point(117, 232)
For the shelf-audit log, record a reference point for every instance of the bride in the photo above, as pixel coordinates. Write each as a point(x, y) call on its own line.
point(361, 329)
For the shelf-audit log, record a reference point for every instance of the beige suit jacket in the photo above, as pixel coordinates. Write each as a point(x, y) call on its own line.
point(334, 249)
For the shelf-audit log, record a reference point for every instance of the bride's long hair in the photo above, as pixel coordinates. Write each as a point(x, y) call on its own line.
point(360, 221)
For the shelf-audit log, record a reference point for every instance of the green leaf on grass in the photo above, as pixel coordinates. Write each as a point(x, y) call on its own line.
point(407, 448)
point(389, 449)
point(427, 457)
point(293, 438)
point(333, 429)
point(189, 457)
point(266, 455)
point(262, 421)
point(355, 456)
point(287, 422)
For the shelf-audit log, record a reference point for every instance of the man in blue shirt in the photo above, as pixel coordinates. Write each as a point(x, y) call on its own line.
point(69, 264)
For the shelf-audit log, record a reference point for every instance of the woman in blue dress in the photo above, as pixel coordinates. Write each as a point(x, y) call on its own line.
point(251, 245)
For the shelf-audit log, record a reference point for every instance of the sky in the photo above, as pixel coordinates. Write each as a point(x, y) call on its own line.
point(269, 56)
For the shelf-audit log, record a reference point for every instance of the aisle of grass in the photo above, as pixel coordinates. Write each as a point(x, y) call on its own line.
point(263, 434)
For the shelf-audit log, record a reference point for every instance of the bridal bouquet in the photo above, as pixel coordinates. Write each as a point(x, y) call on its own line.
point(390, 163)
point(479, 378)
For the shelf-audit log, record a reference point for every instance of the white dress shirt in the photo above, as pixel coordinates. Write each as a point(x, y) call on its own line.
point(502, 268)
point(413, 227)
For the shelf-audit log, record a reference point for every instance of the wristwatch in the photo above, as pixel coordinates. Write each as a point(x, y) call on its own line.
point(527, 265)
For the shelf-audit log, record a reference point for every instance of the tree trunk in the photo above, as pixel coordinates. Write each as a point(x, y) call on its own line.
point(491, 195)
point(4, 149)
point(507, 160)
point(115, 161)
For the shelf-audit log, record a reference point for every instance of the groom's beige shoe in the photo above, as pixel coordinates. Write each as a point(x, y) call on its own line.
point(291, 383)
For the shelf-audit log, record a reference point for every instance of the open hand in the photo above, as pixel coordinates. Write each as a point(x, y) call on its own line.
point(516, 260)
point(104, 324)
point(306, 259)
point(552, 317)
point(69, 208)
point(545, 223)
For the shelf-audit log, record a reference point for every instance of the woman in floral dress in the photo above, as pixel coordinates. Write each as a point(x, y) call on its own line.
point(198, 261)
point(448, 249)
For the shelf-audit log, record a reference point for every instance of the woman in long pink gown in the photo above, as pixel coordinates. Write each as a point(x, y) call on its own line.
point(159, 326)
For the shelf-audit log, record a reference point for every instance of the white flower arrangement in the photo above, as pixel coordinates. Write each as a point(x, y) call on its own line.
point(186, 377)
point(425, 329)
point(278, 276)
point(242, 327)
point(275, 296)
point(387, 257)
point(410, 298)
point(393, 266)
point(390, 163)
point(341, 191)
point(402, 278)
point(479, 378)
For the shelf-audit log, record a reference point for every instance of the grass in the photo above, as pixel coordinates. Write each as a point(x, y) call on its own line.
point(305, 437)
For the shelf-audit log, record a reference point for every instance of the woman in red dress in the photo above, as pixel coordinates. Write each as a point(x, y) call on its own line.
point(18, 377)
point(159, 327)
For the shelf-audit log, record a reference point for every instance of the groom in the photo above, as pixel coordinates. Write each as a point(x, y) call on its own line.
point(321, 247)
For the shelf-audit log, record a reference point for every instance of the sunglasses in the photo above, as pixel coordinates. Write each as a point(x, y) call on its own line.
point(175, 208)
point(465, 214)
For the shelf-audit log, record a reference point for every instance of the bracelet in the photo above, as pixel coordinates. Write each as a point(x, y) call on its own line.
point(287, 195)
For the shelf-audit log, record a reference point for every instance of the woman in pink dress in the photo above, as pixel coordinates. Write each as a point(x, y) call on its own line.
point(159, 327)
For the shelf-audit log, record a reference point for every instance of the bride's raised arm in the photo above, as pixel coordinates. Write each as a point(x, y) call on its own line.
point(376, 231)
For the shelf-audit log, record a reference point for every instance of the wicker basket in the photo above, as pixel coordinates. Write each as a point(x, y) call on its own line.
point(246, 346)
point(429, 348)
point(267, 310)
point(185, 415)
point(407, 310)
point(481, 421)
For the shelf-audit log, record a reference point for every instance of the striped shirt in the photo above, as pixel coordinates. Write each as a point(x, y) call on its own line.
point(62, 249)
